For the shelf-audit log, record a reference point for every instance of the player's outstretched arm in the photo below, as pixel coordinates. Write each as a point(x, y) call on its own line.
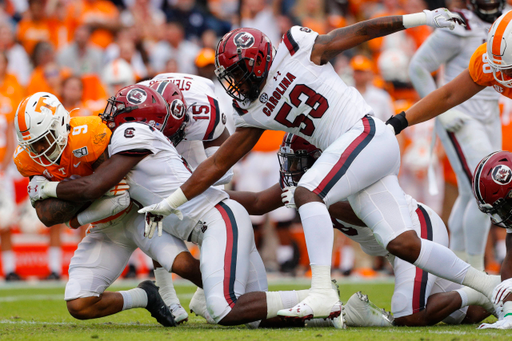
point(330, 45)
point(258, 203)
point(460, 89)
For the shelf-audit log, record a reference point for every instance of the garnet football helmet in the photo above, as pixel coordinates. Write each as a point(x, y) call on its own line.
point(242, 60)
point(499, 49)
point(492, 187)
point(136, 103)
point(296, 156)
point(487, 10)
point(42, 116)
point(175, 128)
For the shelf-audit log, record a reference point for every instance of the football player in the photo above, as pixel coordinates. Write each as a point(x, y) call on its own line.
point(419, 298)
point(53, 146)
point(469, 131)
point(489, 66)
point(233, 274)
point(196, 134)
point(492, 188)
point(297, 90)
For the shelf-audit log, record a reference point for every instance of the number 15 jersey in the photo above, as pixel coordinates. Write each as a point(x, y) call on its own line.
point(301, 97)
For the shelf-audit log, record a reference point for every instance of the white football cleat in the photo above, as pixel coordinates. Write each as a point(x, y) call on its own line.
point(360, 312)
point(198, 306)
point(319, 304)
point(179, 313)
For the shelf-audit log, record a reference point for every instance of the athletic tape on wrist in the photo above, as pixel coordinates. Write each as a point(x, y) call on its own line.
point(413, 20)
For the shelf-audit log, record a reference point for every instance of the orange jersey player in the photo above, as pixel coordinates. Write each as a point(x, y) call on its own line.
point(490, 65)
point(75, 146)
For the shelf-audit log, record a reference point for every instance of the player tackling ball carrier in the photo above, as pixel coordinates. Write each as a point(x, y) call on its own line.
point(297, 90)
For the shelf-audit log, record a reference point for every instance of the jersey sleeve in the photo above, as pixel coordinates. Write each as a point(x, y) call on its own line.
point(133, 139)
point(237, 116)
point(25, 165)
point(479, 70)
point(299, 39)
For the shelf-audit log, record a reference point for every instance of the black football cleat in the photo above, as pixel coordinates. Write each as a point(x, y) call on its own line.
point(156, 305)
point(12, 277)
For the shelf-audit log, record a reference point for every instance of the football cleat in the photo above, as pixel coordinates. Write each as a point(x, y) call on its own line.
point(318, 304)
point(197, 306)
point(156, 305)
point(179, 313)
point(361, 312)
point(337, 322)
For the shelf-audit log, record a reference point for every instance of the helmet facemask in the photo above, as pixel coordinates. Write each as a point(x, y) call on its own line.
point(500, 211)
point(488, 10)
point(293, 165)
point(55, 140)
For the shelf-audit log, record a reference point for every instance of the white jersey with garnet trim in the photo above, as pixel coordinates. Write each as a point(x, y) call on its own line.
point(159, 174)
point(206, 121)
point(301, 97)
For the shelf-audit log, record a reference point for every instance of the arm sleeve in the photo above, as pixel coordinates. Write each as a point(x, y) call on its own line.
point(439, 48)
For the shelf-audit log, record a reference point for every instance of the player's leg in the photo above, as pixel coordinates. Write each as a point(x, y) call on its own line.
point(7, 219)
point(98, 261)
point(227, 251)
point(342, 170)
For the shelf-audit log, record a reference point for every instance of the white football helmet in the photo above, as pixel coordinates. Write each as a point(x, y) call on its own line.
point(117, 74)
point(499, 49)
point(42, 116)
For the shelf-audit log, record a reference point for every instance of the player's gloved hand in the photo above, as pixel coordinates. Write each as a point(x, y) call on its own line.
point(505, 323)
point(287, 196)
point(501, 291)
point(453, 120)
point(397, 123)
point(156, 212)
point(36, 188)
point(443, 18)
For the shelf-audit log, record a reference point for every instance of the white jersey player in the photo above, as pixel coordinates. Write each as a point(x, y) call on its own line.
point(233, 274)
point(470, 130)
point(203, 121)
point(299, 92)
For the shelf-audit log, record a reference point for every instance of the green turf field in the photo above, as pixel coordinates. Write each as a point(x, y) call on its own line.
point(37, 312)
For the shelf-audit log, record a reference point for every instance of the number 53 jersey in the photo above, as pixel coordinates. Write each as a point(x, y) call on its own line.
point(301, 97)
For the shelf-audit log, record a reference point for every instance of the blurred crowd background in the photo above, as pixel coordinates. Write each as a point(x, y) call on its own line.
point(83, 51)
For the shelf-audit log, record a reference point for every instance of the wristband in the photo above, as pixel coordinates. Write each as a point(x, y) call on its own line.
point(413, 20)
point(176, 199)
point(50, 189)
point(398, 122)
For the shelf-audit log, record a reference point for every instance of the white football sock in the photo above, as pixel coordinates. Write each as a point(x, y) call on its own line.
point(8, 262)
point(476, 229)
point(472, 297)
point(165, 286)
point(277, 300)
point(55, 259)
point(441, 261)
point(134, 298)
point(318, 231)
point(480, 281)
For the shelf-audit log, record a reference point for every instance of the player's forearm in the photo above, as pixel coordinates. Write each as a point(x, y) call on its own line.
point(204, 176)
point(261, 202)
point(54, 211)
point(88, 188)
point(506, 267)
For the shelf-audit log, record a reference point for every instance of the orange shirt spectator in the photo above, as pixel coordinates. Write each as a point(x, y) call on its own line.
point(34, 27)
point(47, 78)
point(101, 15)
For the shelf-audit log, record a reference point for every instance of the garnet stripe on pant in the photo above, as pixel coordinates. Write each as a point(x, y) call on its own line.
point(346, 159)
point(421, 278)
point(460, 156)
point(230, 254)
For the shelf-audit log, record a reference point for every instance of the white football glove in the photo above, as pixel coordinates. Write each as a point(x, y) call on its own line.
point(157, 212)
point(501, 291)
point(288, 196)
point(453, 120)
point(442, 18)
point(35, 188)
point(505, 323)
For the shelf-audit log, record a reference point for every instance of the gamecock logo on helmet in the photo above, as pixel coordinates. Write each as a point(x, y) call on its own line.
point(244, 40)
point(177, 108)
point(501, 175)
point(136, 96)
